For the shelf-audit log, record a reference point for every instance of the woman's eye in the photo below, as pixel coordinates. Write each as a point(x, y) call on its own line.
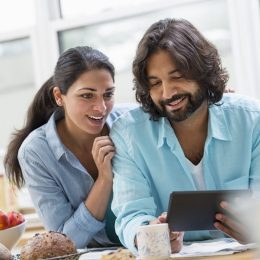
point(109, 94)
point(87, 96)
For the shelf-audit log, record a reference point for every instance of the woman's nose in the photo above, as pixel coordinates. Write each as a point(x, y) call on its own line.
point(100, 105)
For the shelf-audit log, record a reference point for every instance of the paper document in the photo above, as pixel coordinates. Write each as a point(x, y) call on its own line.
point(221, 246)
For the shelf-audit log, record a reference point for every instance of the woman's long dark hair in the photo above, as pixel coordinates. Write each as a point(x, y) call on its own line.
point(195, 57)
point(70, 66)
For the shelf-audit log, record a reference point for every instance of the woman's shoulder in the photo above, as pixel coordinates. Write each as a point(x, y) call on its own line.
point(35, 142)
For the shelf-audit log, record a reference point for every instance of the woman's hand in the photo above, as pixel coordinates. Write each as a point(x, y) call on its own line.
point(103, 151)
point(231, 225)
point(97, 200)
point(176, 238)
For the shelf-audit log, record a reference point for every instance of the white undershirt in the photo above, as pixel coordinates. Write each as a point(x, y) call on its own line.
point(197, 174)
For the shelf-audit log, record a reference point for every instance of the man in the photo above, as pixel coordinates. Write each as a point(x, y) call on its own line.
point(185, 136)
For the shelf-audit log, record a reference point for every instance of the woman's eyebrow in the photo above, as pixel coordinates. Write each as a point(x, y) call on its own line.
point(87, 88)
point(93, 89)
point(110, 89)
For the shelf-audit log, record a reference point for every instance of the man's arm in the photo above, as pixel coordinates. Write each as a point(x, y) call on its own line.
point(133, 203)
point(234, 227)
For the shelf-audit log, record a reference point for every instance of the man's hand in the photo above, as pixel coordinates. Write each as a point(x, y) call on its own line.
point(176, 238)
point(231, 225)
point(229, 90)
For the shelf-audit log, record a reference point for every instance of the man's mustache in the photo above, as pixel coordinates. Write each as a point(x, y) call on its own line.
point(173, 98)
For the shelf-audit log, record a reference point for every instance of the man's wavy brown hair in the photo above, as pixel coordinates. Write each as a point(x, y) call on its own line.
point(195, 57)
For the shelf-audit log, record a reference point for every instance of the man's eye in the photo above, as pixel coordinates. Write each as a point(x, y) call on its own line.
point(87, 96)
point(177, 77)
point(155, 83)
point(109, 94)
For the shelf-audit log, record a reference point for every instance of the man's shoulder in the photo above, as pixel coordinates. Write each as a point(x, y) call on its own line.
point(240, 103)
point(133, 117)
point(119, 110)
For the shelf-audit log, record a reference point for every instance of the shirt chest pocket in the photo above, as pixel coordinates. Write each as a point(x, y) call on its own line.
point(238, 183)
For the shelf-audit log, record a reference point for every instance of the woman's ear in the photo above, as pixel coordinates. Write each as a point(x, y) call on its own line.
point(57, 96)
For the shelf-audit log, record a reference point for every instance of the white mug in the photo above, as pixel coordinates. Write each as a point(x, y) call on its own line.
point(153, 242)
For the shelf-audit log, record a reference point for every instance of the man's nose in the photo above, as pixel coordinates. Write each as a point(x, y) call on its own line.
point(168, 90)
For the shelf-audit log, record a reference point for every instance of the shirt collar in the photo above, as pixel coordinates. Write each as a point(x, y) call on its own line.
point(52, 136)
point(165, 132)
point(217, 127)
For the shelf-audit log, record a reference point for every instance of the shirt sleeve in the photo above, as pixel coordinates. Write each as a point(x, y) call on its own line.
point(52, 204)
point(132, 203)
point(255, 161)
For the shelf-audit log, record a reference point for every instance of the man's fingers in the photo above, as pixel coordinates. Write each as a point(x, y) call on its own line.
point(229, 222)
point(238, 236)
point(174, 235)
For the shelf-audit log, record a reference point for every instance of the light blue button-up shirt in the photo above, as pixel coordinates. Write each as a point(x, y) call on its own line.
point(58, 184)
point(150, 164)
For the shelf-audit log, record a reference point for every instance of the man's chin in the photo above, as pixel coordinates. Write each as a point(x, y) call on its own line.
point(177, 116)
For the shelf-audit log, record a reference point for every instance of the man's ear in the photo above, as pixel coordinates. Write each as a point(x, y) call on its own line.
point(57, 95)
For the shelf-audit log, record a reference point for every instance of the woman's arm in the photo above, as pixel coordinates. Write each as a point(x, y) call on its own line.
point(52, 202)
point(97, 200)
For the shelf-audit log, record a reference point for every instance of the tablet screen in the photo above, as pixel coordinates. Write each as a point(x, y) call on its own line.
point(196, 210)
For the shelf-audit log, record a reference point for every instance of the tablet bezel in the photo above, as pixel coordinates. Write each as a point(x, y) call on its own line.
point(200, 208)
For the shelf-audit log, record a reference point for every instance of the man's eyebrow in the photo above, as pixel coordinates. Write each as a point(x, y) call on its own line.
point(171, 72)
point(151, 77)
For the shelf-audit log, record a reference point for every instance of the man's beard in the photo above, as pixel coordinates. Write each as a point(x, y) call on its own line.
point(193, 103)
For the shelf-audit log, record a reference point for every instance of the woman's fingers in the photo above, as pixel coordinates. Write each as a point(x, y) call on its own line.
point(102, 146)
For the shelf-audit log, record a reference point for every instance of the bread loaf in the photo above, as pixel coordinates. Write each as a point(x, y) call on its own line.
point(47, 245)
point(5, 254)
point(120, 254)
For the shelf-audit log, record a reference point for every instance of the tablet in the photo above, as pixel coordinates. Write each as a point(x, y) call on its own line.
point(196, 210)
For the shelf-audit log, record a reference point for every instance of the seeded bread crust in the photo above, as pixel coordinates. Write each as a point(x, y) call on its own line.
point(120, 254)
point(47, 245)
point(5, 254)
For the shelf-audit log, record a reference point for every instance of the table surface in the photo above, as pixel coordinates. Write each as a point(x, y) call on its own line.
point(247, 255)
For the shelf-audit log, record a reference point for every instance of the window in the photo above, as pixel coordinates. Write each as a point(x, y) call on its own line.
point(16, 84)
point(83, 8)
point(118, 39)
point(16, 14)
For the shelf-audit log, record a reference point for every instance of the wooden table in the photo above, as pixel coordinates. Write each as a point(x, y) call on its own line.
point(247, 255)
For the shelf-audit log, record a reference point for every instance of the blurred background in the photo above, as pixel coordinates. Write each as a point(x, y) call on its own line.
point(34, 32)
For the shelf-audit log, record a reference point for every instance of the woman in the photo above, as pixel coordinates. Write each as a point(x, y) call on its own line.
point(63, 154)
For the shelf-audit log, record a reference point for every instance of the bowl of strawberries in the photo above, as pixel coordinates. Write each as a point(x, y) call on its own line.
point(12, 226)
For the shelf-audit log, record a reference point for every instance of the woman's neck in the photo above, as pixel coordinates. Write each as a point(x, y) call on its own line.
point(77, 141)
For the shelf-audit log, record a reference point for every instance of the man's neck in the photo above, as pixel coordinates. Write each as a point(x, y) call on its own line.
point(192, 133)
